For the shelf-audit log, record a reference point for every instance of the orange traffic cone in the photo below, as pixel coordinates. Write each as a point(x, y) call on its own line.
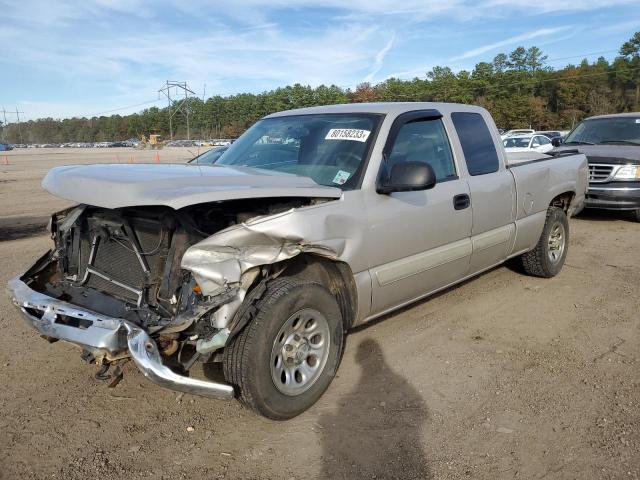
point(157, 157)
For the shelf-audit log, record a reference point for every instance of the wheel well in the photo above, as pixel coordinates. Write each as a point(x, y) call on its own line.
point(563, 201)
point(336, 276)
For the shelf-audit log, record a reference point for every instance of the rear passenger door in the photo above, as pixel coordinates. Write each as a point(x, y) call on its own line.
point(418, 241)
point(492, 190)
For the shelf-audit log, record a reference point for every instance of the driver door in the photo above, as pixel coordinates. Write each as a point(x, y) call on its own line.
point(418, 241)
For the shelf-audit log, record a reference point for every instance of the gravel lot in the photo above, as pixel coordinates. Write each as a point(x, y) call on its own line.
point(504, 376)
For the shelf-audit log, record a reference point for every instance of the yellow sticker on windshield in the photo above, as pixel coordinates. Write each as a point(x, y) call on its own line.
point(355, 134)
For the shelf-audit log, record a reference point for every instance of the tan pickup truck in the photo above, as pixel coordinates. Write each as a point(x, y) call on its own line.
point(312, 222)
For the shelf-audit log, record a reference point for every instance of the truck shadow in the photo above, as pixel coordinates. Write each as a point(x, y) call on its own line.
point(376, 432)
point(604, 215)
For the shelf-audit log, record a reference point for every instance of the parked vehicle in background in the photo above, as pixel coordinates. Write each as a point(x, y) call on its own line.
point(264, 261)
point(521, 131)
point(5, 147)
point(182, 143)
point(154, 142)
point(519, 143)
point(550, 134)
point(612, 146)
point(209, 157)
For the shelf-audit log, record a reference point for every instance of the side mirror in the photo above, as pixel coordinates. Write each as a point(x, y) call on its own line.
point(409, 177)
point(556, 141)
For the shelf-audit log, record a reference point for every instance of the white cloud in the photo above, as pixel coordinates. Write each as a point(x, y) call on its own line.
point(379, 60)
point(110, 53)
point(546, 6)
point(508, 41)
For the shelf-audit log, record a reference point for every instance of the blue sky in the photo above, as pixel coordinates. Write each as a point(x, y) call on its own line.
point(79, 58)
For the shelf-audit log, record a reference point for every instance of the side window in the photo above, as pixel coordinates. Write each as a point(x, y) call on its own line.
point(535, 142)
point(423, 141)
point(477, 143)
point(544, 140)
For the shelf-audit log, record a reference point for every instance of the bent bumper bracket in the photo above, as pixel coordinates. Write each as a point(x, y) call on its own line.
point(145, 354)
point(103, 333)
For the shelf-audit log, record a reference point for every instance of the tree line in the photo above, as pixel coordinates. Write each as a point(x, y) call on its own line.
point(518, 88)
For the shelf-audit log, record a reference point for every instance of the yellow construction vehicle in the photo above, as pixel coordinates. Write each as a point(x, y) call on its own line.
point(154, 142)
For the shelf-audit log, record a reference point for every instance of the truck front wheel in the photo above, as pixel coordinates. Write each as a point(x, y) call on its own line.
point(287, 355)
point(547, 258)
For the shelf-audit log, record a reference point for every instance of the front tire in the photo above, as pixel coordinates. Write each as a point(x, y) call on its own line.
point(547, 258)
point(287, 355)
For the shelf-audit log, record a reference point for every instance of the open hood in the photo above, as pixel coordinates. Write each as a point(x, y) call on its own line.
point(173, 185)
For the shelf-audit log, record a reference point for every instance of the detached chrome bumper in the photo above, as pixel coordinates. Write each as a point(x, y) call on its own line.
point(94, 331)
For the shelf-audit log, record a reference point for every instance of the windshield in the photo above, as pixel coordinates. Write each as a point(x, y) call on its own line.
point(623, 130)
point(522, 142)
point(209, 157)
point(329, 148)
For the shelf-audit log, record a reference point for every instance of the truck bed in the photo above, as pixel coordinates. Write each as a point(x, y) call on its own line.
point(539, 179)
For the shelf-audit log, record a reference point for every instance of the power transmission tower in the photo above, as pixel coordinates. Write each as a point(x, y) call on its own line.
point(5, 124)
point(181, 106)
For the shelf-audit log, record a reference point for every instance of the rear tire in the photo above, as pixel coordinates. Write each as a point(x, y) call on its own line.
point(287, 355)
point(547, 258)
point(636, 215)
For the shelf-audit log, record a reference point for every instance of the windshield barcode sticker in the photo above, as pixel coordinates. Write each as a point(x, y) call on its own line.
point(348, 134)
point(341, 177)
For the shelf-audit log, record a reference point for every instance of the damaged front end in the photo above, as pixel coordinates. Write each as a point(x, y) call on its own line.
point(143, 283)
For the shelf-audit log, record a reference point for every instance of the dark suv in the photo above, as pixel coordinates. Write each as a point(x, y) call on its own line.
point(612, 146)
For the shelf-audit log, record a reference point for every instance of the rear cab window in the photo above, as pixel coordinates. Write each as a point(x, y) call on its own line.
point(479, 149)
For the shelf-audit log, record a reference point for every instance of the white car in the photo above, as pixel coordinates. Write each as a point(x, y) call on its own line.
point(522, 143)
point(521, 131)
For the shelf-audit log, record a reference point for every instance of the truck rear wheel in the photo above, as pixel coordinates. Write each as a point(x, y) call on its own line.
point(287, 355)
point(547, 258)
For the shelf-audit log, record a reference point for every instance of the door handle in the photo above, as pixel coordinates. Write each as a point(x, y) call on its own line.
point(462, 201)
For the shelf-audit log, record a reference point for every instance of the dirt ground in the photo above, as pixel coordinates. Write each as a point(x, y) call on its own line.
point(504, 376)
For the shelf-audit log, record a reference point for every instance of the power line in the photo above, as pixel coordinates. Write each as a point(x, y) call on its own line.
point(350, 87)
point(608, 72)
point(127, 107)
point(582, 55)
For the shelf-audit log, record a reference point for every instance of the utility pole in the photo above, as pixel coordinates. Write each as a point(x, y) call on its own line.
point(203, 121)
point(19, 129)
point(183, 104)
point(4, 124)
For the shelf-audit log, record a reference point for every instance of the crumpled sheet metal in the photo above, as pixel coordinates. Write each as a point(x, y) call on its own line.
point(223, 258)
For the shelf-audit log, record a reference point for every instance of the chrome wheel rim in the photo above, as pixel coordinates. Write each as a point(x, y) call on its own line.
point(556, 244)
point(300, 351)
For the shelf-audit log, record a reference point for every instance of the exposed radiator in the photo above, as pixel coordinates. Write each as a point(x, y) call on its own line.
point(124, 258)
